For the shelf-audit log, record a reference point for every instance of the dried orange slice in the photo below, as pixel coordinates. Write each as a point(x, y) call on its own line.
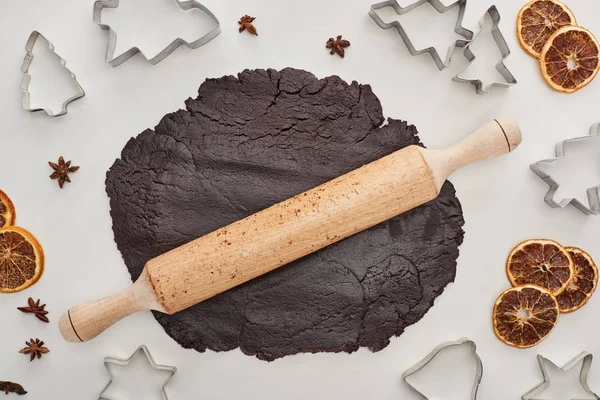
point(21, 259)
point(525, 315)
point(569, 60)
point(583, 284)
point(540, 262)
point(538, 20)
point(7, 210)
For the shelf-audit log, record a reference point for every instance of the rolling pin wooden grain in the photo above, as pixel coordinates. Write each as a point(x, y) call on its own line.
point(290, 230)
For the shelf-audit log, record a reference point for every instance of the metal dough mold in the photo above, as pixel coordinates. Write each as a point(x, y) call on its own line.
point(593, 192)
point(26, 95)
point(112, 41)
point(509, 79)
point(583, 375)
point(440, 8)
point(125, 362)
point(431, 356)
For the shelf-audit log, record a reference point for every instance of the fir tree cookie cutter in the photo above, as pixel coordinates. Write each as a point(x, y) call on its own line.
point(492, 15)
point(112, 41)
point(124, 362)
point(440, 8)
point(435, 352)
point(586, 363)
point(26, 95)
point(593, 193)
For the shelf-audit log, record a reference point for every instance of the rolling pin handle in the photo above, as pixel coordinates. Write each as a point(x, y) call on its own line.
point(497, 137)
point(85, 322)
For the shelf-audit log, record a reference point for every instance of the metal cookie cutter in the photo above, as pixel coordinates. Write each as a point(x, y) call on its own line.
point(439, 7)
point(593, 193)
point(431, 356)
point(112, 41)
point(120, 362)
point(26, 95)
point(509, 80)
point(583, 375)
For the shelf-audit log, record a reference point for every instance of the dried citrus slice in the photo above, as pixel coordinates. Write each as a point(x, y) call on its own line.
point(525, 315)
point(7, 210)
point(569, 60)
point(538, 20)
point(583, 284)
point(21, 259)
point(540, 262)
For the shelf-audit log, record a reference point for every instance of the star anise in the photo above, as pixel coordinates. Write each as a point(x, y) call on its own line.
point(61, 171)
point(36, 309)
point(246, 24)
point(35, 348)
point(337, 45)
point(10, 387)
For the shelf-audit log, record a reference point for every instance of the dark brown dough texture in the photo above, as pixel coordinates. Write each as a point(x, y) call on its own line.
point(246, 143)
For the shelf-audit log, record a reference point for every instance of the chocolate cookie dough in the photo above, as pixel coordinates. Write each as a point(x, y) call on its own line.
point(246, 143)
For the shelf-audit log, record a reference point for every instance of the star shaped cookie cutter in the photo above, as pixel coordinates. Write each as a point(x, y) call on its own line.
point(509, 80)
point(125, 362)
point(440, 8)
point(585, 358)
point(431, 356)
point(26, 95)
point(593, 193)
point(112, 41)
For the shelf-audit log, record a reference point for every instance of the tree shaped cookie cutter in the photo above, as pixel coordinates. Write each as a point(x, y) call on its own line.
point(584, 358)
point(509, 80)
point(26, 95)
point(593, 193)
point(431, 356)
point(440, 8)
point(112, 41)
point(124, 362)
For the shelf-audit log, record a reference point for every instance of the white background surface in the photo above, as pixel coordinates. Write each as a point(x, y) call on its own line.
point(502, 198)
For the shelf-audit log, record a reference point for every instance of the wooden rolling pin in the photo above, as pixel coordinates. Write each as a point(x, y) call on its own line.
point(290, 230)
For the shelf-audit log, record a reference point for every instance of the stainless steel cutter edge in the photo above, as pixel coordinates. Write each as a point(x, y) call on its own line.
point(25, 94)
point(112, 41)
point(433, 354)
point(125, 362)
point(439, 7)
point(583, 375)
point(593, 192)
point(509, 79)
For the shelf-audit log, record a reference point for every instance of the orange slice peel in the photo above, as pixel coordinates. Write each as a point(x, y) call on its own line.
point(569, 60)
point(538, 20)
point(524, 316)
point(540, 262)
point(583, 284)
point(7, 210)
point(21, 259)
